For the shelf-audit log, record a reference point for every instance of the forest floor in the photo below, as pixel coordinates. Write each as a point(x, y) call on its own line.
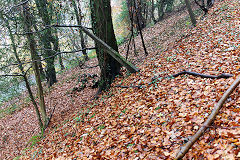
point(151, 122)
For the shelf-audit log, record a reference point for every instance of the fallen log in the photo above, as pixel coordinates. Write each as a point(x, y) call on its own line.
point(209, 121)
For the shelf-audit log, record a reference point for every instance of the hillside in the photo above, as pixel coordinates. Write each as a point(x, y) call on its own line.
point(152, 121)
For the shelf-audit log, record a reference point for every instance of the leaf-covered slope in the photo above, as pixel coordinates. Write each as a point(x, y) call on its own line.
point(153, 122)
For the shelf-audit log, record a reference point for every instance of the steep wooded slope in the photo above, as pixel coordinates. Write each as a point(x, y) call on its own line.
point(154, 121)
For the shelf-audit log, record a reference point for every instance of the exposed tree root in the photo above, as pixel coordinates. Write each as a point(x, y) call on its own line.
point(209, 121)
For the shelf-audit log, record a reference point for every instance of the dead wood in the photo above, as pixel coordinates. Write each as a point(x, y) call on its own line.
point(223, 75)
point(139, 87)
point(209, 121)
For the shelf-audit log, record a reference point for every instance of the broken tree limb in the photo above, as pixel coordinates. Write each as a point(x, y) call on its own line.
point(112, 52)
point(223, 75)
point(139, 87)
point(109, 50)
point(209, 121)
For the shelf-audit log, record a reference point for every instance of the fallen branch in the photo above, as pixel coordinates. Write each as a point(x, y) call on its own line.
point(209, 121)
point(92, 66)
point(139, 87)
point(223, 75)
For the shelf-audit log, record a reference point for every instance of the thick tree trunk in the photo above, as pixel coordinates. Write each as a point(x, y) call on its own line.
point(31, 42)
point(103, 28)
point(130, 67)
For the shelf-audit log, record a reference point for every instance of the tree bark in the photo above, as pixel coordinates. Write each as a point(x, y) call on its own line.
point(135, 8)
point(20, 66)
point(191, 14)
point(112, 52)
point(103, 28)
point(152, 12)
point(160, 4)
point(47, 39)
point(31, 43)
point(78, 13)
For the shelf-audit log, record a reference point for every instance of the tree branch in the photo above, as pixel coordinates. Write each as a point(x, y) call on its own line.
point(223, 75)
point(11, 75)
point(57, 53)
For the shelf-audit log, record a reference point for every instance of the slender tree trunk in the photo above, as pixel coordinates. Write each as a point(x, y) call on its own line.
point(103, 28)
point(152, 12)
point(169, 4)
point(57, 48)
point(43, 75)
point(20, 66)
point(47, 39)
point(78, 13)
point(191, 14)
point(140, 32)
point(161, 4)
point(31, 43)
point(135, 8)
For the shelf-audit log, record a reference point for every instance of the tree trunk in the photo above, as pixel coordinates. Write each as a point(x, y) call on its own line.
point(78, 13)
point(20, 66)
point(31, 42)
point(160, 4)
point(169, 4)
point(57, 48)
point(193, 19)
point(130, 67)
point(43, 75)
point(103, 28)
point(152, 12)
point(135, 8)
point(47, 38)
